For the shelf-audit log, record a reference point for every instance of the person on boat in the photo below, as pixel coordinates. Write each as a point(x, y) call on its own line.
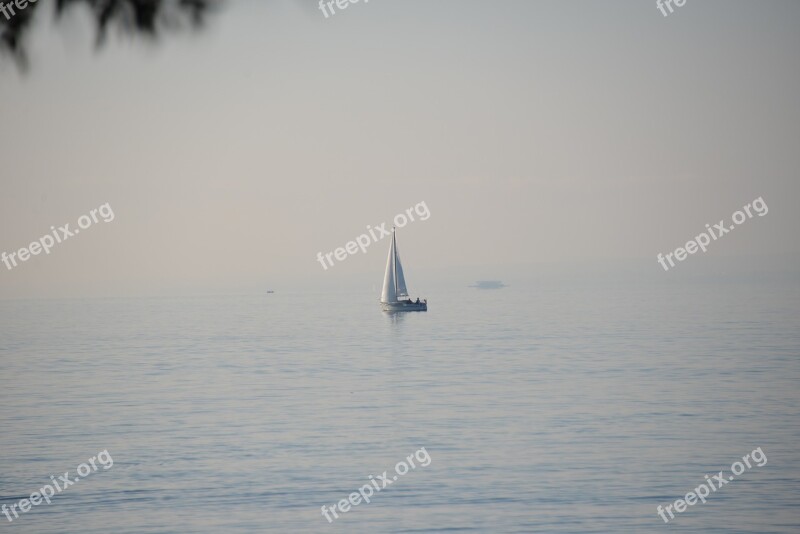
point(417, 300)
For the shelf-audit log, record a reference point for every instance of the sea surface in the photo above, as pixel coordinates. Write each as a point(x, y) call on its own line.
point(543, 408)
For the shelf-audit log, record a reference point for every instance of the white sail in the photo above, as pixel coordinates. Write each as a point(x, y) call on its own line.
point(389, 292)
point(394, 282)
point(401, 280)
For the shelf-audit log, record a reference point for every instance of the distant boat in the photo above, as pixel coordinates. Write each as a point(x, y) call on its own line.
point(394, 296)
point(489, 284)
point(270, 291)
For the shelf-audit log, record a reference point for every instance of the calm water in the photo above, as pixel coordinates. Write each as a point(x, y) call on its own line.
point(547, 409)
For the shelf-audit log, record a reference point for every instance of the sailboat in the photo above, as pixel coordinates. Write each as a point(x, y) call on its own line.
point(394, 296)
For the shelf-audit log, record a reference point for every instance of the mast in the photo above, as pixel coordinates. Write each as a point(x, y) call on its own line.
point(394, 253)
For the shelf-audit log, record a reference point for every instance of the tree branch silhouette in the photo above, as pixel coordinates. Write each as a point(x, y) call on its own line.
point(137, 17)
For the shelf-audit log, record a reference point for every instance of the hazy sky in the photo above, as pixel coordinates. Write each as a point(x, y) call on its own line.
point(559, 131)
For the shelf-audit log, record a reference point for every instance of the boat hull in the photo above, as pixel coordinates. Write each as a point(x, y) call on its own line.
point(404, 306)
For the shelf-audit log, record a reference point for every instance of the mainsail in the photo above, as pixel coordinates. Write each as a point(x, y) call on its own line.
point(394, 283)
point(401, 280)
